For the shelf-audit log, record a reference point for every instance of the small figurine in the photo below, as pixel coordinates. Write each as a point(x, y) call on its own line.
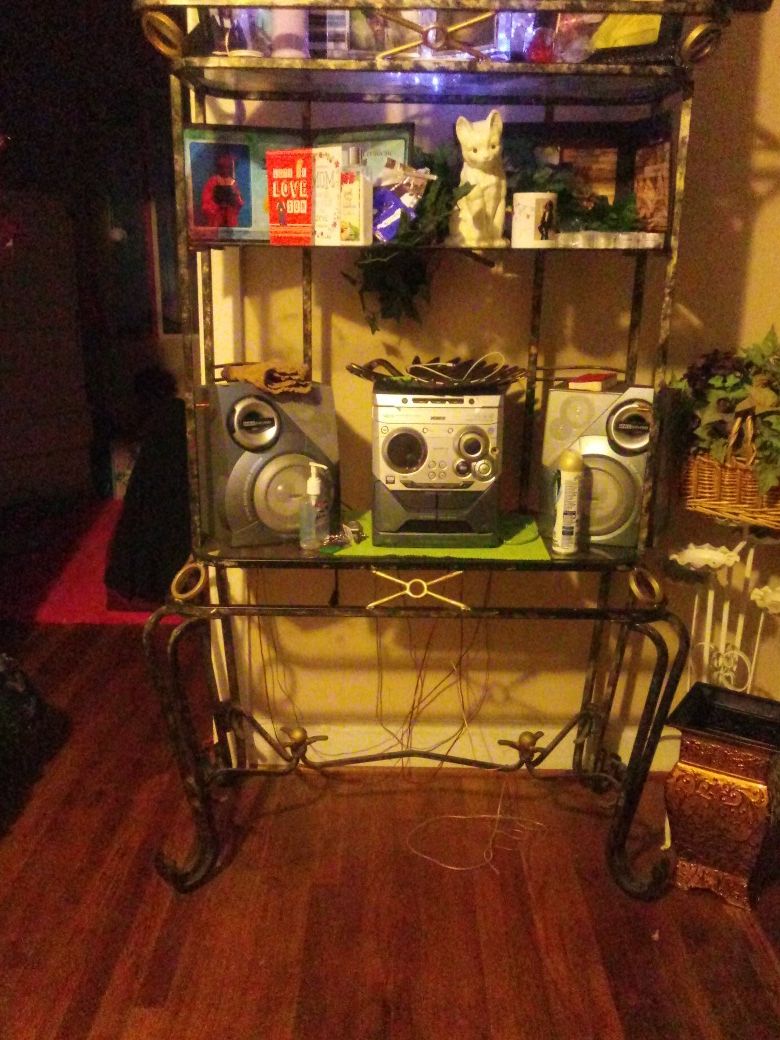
point(478, 218)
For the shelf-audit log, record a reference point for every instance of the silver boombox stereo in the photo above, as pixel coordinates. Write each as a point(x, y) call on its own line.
point(436, 462)
point(254, 451)
point(611, 431)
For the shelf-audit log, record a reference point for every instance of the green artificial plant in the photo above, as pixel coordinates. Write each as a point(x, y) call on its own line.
point(391, 279)
point(722, 387)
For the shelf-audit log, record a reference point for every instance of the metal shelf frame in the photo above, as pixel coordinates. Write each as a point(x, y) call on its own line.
point(207, 771)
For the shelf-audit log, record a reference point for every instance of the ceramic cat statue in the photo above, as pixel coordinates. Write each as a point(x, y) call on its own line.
point(478, 218)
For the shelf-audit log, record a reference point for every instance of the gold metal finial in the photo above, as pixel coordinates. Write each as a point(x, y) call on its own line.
point(298, 736)
point(163, 33)
point(645, 587)
point(189, 581)
point(700, 42)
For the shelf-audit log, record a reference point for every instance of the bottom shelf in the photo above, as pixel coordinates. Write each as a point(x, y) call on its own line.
point(522, 548)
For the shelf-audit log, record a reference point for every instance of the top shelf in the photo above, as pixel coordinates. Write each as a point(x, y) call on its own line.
point(180, 29)
point(688, 7)
point(430, 82)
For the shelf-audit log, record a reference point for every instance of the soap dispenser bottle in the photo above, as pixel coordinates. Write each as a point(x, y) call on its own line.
point(314, 520)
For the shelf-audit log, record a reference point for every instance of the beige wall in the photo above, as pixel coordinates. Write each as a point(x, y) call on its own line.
point(728, 279)
point(518, 674)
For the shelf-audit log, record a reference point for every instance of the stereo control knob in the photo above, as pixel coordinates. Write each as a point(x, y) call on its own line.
point(472, 443)
point(483, 469)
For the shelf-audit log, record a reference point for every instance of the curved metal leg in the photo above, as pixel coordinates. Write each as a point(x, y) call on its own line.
point(590, 732)
point(194, 767)
point(659, 698)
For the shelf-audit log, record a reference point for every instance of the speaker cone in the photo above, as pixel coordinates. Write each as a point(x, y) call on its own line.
point(611, 496)
point(278, 490)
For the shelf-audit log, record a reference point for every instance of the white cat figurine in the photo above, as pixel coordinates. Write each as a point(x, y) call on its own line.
point(478, 218)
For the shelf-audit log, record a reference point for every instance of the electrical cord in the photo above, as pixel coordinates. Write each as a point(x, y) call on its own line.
point(521, 827)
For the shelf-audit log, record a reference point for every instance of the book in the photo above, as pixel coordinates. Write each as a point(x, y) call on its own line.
point(593, 381)
point(357, 201)
point(290, 209)
point(328, 163)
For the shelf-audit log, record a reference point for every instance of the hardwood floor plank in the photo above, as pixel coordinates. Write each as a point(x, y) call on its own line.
point(640, 944)
point(325, 922)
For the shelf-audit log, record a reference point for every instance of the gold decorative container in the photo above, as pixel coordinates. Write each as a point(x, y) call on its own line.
point(723, 795)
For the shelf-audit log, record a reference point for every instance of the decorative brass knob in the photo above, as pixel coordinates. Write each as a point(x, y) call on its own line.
point(527, 740)
point(298, 736)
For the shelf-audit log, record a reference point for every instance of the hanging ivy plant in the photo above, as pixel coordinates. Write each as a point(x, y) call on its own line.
point(392, 279)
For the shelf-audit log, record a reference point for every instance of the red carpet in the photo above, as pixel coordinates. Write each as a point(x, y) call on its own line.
point(60, 580)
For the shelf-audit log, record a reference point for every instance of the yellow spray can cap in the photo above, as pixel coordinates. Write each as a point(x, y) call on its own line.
point(571, 461)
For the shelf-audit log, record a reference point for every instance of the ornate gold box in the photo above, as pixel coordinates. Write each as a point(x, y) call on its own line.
point(723, 795)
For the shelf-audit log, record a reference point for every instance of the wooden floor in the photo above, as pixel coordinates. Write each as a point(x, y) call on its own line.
point(325, 924)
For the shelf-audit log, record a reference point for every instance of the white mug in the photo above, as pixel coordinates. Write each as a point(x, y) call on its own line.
point(534, 219)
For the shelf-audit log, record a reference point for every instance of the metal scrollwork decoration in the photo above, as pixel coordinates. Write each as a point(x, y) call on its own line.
point(437, 37)
point(645, 587)
point(417, 588)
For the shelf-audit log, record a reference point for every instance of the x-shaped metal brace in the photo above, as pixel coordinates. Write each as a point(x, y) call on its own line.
point(437, 37)
point(417, 589)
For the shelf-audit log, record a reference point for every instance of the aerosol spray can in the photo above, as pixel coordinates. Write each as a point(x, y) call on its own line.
point(568, 485)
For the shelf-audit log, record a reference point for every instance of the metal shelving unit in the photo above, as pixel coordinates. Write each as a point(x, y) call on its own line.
point(665, 82)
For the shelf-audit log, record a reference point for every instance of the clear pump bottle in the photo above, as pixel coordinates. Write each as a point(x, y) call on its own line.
point(314, 518)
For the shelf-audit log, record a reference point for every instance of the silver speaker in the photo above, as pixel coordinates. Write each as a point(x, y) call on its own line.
point(254, 454)
point(611, 430)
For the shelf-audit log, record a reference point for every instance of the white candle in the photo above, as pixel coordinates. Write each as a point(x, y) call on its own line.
point(694, 619)
point(745, 598)
point(724, 631)
point(708, 630)
point(755, 654)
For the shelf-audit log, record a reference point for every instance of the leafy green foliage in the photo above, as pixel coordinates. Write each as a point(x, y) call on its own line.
point(599, 214)
point(765, 356)
point(721, 387)
point(528, 170)
point(392, 279)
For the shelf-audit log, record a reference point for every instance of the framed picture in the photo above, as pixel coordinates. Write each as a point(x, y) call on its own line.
point(609, 159)
point(227, 184)
point(377, 143)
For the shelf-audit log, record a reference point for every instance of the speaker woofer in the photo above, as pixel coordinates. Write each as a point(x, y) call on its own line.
point(279, 490)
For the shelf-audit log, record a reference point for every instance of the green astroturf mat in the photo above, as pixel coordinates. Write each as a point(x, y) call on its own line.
point(520, 536)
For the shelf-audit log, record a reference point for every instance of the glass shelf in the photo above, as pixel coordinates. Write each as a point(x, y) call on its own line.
point(288, 555)
point(445, 82)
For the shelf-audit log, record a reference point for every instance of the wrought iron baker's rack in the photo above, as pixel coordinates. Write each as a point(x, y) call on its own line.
point(663, 77)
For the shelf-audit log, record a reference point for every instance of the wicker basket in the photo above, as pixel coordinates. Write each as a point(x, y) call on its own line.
point(729, 489)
